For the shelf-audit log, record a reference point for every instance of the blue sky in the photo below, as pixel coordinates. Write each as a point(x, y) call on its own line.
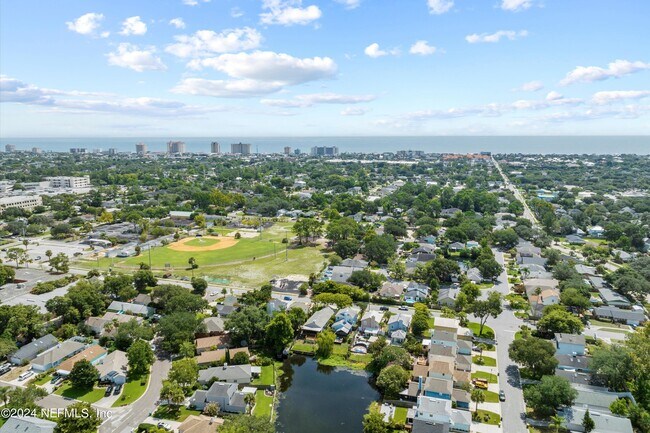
point(324, 67)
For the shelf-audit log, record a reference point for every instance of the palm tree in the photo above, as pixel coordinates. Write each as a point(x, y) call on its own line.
point(250, 401)
point(478, 396)
point(556, 422)
point(4, 394)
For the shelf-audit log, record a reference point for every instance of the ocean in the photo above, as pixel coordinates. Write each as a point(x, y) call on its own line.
point(433, 144)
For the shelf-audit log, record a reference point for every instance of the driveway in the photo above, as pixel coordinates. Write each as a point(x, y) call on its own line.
point(125, 419)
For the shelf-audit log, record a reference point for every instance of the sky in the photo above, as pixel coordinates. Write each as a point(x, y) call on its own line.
point(120, 68)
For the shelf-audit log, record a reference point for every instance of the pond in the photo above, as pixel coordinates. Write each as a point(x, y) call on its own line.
point(321, 399)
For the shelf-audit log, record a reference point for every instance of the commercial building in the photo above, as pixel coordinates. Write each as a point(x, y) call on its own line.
point(175, 147)
point(69, 181)
point(324, 151)
point(28, 202)
point(141, 148)
point(37, 150)
point(10, 148)
point(78, 150)
point(287, 150)
point(215, 147)
point(240, 148)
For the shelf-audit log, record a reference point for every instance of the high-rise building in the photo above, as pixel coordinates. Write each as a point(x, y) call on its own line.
point(324, 151)
point(141, 148)
point(175, 147)
point(297, 152)
point(240, 148)
point(98, 150)
point(287, 150)
point(215, 147)
point(37, 150)
point(10, 148)
point(78, 150)
point(112, 151)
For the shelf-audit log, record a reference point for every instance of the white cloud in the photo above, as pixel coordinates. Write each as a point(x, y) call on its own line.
point(515, 5)
point(270, 66)
point(611, 96)
point(177, 22)
point(374, 51)
point(422, 48)
point(207, 42)
point(531, 86)
point(354, 111)
point(318, 98)
point(194, 2)
point(140, 60)
point(87, 24)
point(553, 96)
point(495, 37)
point(349, 4)
point(288, 13)
point(236, 12)
point(133, 26)
point(438, 7)
point(16, 91)
point(226, 88)
point(615, 69)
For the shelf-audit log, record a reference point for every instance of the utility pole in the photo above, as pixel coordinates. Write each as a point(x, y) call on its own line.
point(150, 257)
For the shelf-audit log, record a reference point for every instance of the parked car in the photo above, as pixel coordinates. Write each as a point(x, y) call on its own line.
point(502, 395)
point(26, 375)
point(403, 308)
point(109, 390)
point(164, 425)
point(288, 298)
point(383, 308)
point(117, 390)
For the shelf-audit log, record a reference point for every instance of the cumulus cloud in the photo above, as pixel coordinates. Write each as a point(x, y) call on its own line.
point(270, 66)
point(194, 2)
point(227, 88)
point(515, 5)
point(288, 13)
point(177, 22)
point(374, 51)
point(207, 42)
point(318, 98)
point(133, 26)
point(354, 111)
point(438, 7)
point(87, 24)
point(16, 91)
point(496, 36)
point(135, 58)
point(349, 4)
point(615, 69)
point(531, 86)
point(422, 48)
point(611, 96)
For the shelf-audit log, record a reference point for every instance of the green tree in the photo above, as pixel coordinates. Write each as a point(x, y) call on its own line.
point(246, 424)
point(478, 396)
point(390, 355)
point(615, 364)
point(392, 380)
point(587, 422)
point(199, 285)
point(211, 409)
point(397, 269)
point(556, 422)
point(83, 374)
point(551, 392)
point(7, 275)
point(341, 300)
point(490, 269)
point(557, 320)
point(325, 341)
point(380, 249)
point(297, 316)
point(144, 278)
point(240, 358)
point(483, 310)
point(60, 263)
point(279, 332)
point(574, 298)
point(347, 248)
point(506, 239)
point(140, 356)
point(366, 280)
point(172, 392)
point(185, 372)
point(248, 324)
point(79, 417)
point(176, 329)
point(373, 421)
point(536, 354)
point(187, 349)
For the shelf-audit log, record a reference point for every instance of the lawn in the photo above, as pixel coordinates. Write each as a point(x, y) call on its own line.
point(487, 417)
point(491, 397)
point(491, 378)
point(267, 377)
point(399, 417)
point(595, 322)
point(89, 396)
point(304, 348)
point(487, 331)
point(133, 389)
point(42, 381)
point(263, 405)
point(484, 360)
point(174, 413)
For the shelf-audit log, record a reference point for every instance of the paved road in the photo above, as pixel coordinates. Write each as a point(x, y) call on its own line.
point(125, 420)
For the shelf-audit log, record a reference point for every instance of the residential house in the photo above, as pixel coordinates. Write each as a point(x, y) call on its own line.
point(371, 322)
point(348, 314)
point(56, 355)
point(27, 424)
point(200, 424)
point(604, 422)
point(354, 263)
point(214, 326)
point(432, 415)
point(575, 240)
point(398, 337)
point(438, 388)
point(142, 299)
point(447, 296)
point(112, 368)
point(92, 354)
point(31, 350)
point(573, 362)
point(447, 324)
point(131, 308)
point(317, 322)
point(474, 275)
point(226, 395)
point(107, 324)
point(399, 322)
point(391, 290)
point(615, 314)
point(456, 246)
point(416, 292)
point(570, 344)
point(596, 231)
point(210, 343)
point(613, 298)
point(449, 212)
point(240, 374)
point(276, 306)
point(341, 274)
point(472, 244)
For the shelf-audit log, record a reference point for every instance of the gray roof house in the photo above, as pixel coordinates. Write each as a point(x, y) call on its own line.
point(214, 325)
point(112, 368)
point(27, 424)
point(32, 350)
point(130, 308)
point(613, 298)
point(226, 395)
point(56, 355)
point(631, 317)
point(447, 296)
point(227, 373)
point(604, 422)
point(317, 322)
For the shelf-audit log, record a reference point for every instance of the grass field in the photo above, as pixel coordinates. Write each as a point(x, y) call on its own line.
point(263, 405)
point(87, 395)
point(399, 417)
point(487, 331)
point(491, 378)
point(174, 413)
point(484, 360)
point(487, 417)
point(133, 390)
point(491, 397)
point(267, 377)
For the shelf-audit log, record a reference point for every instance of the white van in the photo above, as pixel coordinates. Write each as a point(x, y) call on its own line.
point(25, 375)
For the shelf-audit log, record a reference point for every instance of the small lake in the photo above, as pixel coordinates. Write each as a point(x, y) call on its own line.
point(321, 399)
